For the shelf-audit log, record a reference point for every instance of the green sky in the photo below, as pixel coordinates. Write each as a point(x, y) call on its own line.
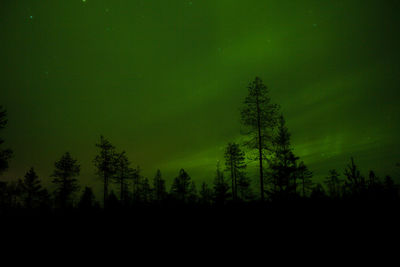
point(164, 80)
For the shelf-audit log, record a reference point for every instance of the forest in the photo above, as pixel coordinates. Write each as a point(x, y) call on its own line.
point(282, 177)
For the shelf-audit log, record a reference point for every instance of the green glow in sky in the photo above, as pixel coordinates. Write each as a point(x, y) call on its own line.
point(164, 80)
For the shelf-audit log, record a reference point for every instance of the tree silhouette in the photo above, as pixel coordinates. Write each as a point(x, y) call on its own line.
point(305, 177)
point(4, 199)
point(192, 194)
point(283, 162)
point(181, 186)
point(244, 187)
point(206, 195)
point(137, 184)
point(375, 187)
point(13, 192)
point(234, 163)
point(259, 116)
point(372, 178)
point(123, 173)
point(145, 191)
point(391, 189)
point(5, 154)
point(355, 182)
point(112, 202)
point(221, 188)
point(105, 164)
point(333, 183)
point(318, 193)
point(87, 200)
point(160, 191)
point(65, 173)
point(32, 190)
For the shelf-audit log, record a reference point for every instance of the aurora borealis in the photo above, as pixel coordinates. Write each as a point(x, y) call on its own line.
point(164, 80)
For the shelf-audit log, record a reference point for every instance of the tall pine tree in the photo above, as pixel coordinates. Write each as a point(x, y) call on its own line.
point(259, 116)
point(105, 164)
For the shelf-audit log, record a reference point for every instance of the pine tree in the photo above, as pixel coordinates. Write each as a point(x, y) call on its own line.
point(283, 162)
point(205, 194)
point(192, 194)
point(160, 192)
point(13, 192)
point(318, 193)
point(391, 189)
point(244, 187)
point(234, 163)
point(65, 173)
point(221, 188)
point(87, 200)
point(181, 186)
point(259, 116)
point(145, 191)
point(137, 185)
point(333, 183)
point(305, 177)
point(123, 173)
point(32, 190)
point(105, 164)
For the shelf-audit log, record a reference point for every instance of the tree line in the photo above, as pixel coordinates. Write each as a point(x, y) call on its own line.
point(282, 176)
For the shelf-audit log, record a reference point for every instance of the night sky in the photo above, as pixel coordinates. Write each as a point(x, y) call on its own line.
point(164, 80)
